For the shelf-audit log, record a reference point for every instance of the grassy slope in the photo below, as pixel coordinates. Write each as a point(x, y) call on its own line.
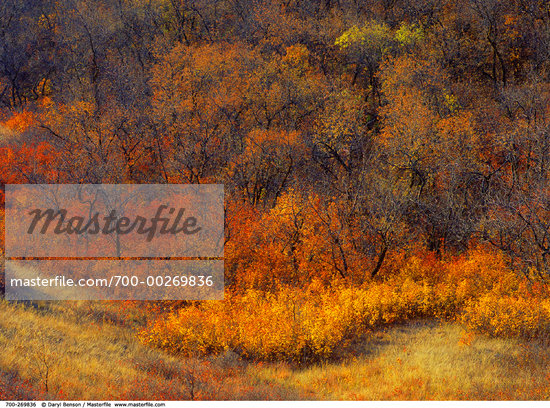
point(427, 360)
point(91, 357)
point(87, 355)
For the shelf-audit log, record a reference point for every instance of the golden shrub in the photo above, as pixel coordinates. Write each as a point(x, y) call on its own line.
point(313, 322)
point(498, 315)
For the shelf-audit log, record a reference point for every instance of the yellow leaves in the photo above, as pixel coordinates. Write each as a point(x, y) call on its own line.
point(451, 101)
point(371, 35)
point(349, 37)
point(378, 38)
point(510, 315)
point(409, 34)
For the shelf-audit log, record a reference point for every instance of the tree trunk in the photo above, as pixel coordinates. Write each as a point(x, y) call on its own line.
point(381, 258)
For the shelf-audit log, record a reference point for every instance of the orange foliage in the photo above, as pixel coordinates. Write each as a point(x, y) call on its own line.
point(299, 240)
point(315, 321)
point(19, 121)
point(37, 162)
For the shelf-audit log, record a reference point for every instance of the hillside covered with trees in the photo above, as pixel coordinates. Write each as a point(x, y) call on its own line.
point(383, 160)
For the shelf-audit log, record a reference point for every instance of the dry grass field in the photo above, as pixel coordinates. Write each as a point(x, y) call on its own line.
point(81, 351)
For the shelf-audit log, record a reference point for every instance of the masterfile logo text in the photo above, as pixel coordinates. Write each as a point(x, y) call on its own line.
point(145, 241)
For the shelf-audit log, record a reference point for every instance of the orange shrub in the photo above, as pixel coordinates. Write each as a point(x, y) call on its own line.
point(498, 315)
point(290, 323)
point(313, 322)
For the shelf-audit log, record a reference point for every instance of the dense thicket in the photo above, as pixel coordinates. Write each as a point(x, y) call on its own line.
point(344, 131)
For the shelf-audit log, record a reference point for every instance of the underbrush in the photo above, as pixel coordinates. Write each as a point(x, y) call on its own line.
point(315, 322)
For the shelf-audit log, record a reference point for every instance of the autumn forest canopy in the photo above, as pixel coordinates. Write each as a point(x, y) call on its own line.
point(344, 131)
